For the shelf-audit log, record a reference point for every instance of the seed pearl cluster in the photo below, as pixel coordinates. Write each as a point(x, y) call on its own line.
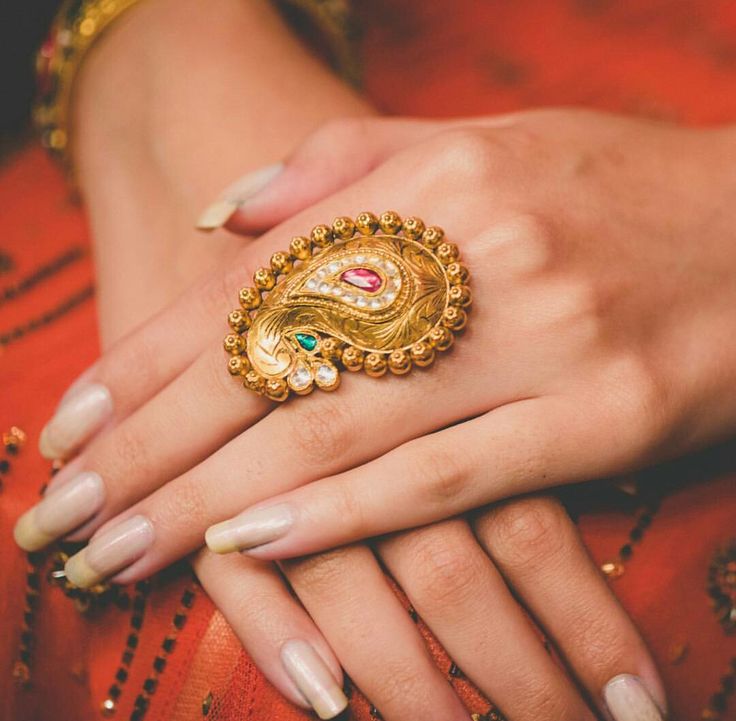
point(320, 282)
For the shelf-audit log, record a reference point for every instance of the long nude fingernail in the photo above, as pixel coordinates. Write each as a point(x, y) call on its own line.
point(313, 678)
point(627, 699)
point(80, 414)
point(110, 552)
point(250, 529)
point(236, 196)
point(60, 512)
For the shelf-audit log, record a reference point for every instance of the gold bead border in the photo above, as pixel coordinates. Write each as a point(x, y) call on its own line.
point(375, 364)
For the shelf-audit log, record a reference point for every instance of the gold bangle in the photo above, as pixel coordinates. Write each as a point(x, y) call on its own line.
point(337, 29)
point(77, 25)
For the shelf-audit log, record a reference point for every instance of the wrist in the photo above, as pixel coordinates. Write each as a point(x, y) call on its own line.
point(176, 101)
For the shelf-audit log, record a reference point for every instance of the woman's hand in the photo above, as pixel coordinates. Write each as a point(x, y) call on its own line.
point(599, 295)
point(467, 584)
point(123, 447)
point(602, 260)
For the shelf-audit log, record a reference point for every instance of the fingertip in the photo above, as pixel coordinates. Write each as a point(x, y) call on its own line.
point(313, 677)
point(236, 197)
point(220, 538)
point(653, 682)
point(27, 534)
point(628, 698)
point(216, 215)
point(46, 447)
point(80, 415)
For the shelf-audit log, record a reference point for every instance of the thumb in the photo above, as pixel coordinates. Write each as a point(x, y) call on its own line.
point(333, 156)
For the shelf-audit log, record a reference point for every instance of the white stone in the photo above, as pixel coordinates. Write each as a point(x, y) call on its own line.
point(361, 302)
point(324, 288)
point(337, 290)
point(326, 375)
point(334, 267)
point(312, 284)
point(300, 378)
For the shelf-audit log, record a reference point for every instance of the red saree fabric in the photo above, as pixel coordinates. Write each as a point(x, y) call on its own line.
point(673, 59)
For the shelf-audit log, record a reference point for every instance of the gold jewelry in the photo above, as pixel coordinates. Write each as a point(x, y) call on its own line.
point(338, 32)
point(77, 25)
point(387, 299)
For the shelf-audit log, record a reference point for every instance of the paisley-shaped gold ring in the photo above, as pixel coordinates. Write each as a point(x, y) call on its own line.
point(374, 294)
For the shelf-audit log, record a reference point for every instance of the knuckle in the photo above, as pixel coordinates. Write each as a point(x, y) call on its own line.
point(322, 431)
point(523, 245)
point(400, 683)
point(341, 133)
point(319, 575)
point(125, 453)
point(524, 534)
point(143, 354)
point(347, 505)
point(446, 574)
point(247, 600)
point(542, 701)
point(640, 403)
point(574, 306)
point(182, 502)
point(598, 636)
point(221, 289)
point(653, 396)
point(443, 474)
point(468, 154)
point(252, 606)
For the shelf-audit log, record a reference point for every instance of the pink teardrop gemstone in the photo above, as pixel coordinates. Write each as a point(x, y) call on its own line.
point(362, 278)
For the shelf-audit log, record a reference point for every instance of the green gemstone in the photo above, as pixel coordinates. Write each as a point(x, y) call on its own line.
point(306, 341)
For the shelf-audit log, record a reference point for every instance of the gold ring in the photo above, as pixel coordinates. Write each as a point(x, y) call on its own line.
point(374, 294)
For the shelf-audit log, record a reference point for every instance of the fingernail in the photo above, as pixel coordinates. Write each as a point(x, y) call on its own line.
point(76, 419)
point(313, 678)
point(110, 552)
point(250, 529)
point(236, 196)
point(627, 699)
point(60, 512)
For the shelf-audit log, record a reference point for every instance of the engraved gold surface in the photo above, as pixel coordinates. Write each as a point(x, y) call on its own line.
point(385, 297)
